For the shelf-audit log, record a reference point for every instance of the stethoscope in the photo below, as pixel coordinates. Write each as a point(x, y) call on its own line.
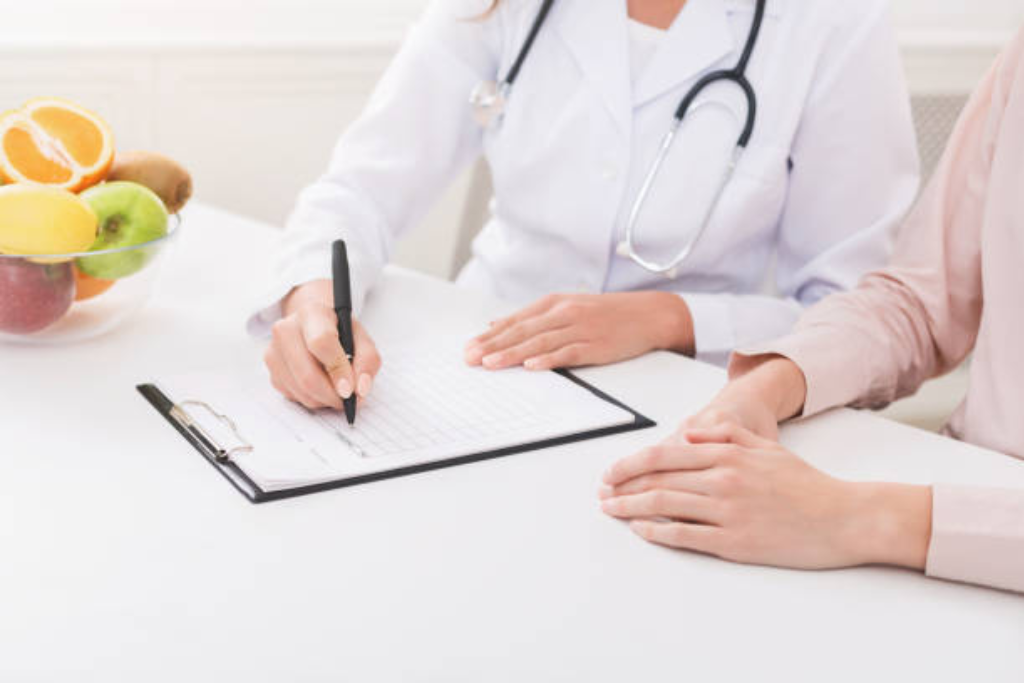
point(488, 101)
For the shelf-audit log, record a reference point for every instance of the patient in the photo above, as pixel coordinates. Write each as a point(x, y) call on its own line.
point(956, 284)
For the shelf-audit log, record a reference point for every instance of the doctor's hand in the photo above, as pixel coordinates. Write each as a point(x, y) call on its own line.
point(730, 493)
point(569, 330)
point(305, 358)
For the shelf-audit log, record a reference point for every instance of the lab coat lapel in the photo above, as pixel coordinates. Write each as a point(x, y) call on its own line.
point(596, 33)
point(699, 37)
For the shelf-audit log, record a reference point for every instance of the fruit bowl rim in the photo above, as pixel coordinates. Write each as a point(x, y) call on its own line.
point(173, 228)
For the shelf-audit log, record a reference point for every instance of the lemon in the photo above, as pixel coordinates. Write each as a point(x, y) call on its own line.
point(37, 220)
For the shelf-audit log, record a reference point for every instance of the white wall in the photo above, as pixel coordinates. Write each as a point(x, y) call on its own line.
point(999, 17)
point(127, 20)
point(252, 94)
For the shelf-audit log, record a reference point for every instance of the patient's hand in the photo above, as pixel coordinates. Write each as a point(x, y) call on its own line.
point(730, 493)
point(732, 408)
point(306, 361)
point(770, 389)
point(570, 330)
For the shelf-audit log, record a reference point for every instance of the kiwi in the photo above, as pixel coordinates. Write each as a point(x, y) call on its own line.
point(165, 176)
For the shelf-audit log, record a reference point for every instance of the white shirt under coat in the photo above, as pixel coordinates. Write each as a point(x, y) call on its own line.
point(830, 170)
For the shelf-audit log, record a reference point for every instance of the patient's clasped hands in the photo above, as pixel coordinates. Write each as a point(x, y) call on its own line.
point(719, 487)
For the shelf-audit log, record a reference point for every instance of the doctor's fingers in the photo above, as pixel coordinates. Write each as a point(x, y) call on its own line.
point(319, 326)
point(512, 336)
point(310, 381)
point(570, 356)
point(367, 362)
point(282, 379)
point(538, 307)
point(534, 345)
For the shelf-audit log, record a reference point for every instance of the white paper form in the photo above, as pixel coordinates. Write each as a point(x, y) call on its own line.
point(426, 405)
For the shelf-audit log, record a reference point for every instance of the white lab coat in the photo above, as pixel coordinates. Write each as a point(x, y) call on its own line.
point(830, 170)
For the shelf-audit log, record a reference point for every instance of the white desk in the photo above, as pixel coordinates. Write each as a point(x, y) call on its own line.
point(125, 557)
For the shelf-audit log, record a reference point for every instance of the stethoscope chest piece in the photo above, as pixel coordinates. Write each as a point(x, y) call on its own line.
point(487, 101)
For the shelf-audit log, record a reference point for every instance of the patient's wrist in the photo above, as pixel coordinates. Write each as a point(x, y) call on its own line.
point(775, 382)
point(892, 524)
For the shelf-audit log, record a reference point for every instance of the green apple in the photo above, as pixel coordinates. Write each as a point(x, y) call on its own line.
point(129, 215)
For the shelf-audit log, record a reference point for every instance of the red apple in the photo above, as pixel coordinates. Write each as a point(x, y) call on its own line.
point(33, 295)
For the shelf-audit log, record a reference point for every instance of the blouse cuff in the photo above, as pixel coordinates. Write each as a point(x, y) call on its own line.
point(824, 363)
point(977, 536)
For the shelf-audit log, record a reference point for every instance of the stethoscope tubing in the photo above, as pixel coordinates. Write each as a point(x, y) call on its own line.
point(736, 75)
point(498, 94)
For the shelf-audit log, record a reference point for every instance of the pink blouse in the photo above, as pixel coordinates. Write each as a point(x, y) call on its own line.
point(955, 284)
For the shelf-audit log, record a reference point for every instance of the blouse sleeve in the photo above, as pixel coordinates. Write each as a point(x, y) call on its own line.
point(919, 316)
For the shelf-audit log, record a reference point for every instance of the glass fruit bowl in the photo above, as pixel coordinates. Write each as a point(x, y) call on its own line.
point(65, 298)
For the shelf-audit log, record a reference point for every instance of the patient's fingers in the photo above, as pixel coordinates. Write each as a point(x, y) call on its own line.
point(697, 537)
point(728, 433)
point(694, 481)
point(665, 458)
point(663, 504)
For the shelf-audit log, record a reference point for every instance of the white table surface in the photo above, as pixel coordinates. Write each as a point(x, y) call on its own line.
point(125, 557)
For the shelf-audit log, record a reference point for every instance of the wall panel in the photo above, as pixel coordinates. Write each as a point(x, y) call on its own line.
point(255, 121)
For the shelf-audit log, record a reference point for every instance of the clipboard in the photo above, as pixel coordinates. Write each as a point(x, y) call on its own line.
point(220, 455)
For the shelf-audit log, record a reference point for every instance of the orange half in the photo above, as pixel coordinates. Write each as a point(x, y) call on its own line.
point(55, 142)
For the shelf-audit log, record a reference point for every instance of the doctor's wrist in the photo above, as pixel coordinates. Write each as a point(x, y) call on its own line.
point(672, 323)
point(316, 291)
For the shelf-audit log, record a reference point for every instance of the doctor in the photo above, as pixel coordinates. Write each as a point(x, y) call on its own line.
point(650, 159)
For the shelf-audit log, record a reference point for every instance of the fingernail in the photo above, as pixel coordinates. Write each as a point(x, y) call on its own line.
point(473, 354)
point(492, 360)
point(365, 384)
point(610, 505)
point(344, 388)
point(605, 491)
point(531, 364)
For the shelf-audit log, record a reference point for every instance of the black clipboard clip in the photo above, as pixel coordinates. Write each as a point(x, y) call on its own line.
point(180, 414)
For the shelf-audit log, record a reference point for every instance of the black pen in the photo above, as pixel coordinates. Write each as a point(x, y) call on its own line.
point(343, 308)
